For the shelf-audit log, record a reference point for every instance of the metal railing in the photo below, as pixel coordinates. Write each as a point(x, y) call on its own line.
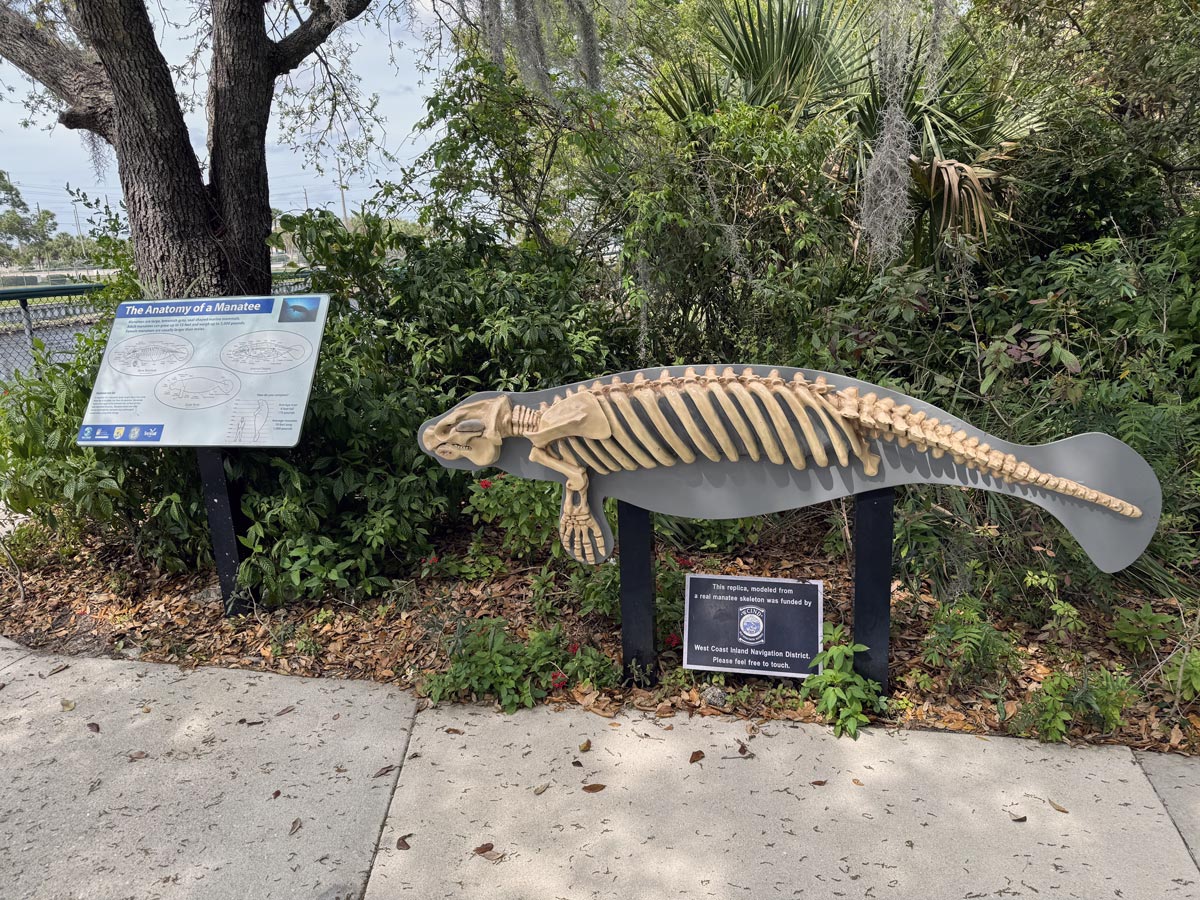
point(50, 313)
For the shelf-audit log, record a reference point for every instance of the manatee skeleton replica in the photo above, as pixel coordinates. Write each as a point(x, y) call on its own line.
point(725, 443)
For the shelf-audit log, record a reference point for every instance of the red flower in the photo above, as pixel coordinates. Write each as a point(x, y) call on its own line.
point(433, 560)
point(558, 679)
point(683, 562)
point(484, 483)
point(572, 648)
point(673, 640)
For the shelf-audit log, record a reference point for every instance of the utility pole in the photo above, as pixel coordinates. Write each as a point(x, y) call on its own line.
point(342, 189)
point(79, 232)
point(306, 206)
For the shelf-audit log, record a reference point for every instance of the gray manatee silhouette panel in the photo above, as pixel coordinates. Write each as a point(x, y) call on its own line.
point(731, 489)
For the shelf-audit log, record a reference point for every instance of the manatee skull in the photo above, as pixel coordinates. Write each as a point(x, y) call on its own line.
point(473, 430)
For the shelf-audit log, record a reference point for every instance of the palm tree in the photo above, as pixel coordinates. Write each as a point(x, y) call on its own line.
point(811, 58)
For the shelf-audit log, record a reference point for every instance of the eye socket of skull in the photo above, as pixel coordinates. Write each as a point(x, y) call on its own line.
point(470, 426)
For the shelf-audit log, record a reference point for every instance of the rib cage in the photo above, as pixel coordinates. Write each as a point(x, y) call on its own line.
point(726, 415)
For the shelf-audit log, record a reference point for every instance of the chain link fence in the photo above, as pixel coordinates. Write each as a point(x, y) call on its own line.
point(52, 314)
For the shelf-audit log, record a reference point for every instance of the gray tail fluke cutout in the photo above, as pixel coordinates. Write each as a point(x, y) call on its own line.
point(1100, 461)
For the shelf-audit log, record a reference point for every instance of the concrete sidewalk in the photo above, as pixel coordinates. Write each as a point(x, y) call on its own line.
point(796, 813)
point(128, 780)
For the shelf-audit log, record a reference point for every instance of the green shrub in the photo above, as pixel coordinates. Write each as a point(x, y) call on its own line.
point(1140, 629)
point(487, 661)
point(714, 535)
point(971, 648)
point(520, 513)
point(415, 326)
point(1181, 675)
point(598, 589)
point(843, 696)
point(1096, 698)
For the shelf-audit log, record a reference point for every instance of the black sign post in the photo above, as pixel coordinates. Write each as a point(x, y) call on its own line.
point(223, 503)
point(873, 582)
point(636, 529)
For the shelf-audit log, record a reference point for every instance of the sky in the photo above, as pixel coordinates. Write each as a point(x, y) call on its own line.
point(42, 163)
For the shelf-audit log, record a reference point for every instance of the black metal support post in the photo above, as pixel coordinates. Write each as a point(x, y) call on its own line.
point(223, 502)
point(873, 535)
point(636, 529)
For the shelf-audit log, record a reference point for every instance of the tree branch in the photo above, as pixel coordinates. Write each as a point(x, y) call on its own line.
point(291, 50)
point(72, 76)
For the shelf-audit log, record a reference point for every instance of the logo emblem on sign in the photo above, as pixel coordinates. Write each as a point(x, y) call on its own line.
point(118, 432)
point(752, 625)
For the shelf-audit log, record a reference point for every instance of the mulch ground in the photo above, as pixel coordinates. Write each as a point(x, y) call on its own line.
point(95, 602)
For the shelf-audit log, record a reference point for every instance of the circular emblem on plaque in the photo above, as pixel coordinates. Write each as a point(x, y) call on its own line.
point(752, 625)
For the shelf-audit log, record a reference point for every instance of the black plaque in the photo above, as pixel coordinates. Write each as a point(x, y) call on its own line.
point(757, 626)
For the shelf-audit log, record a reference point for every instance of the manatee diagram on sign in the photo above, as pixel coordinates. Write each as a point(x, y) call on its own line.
point(150, 354)
point(266, 352)
point(197, 388)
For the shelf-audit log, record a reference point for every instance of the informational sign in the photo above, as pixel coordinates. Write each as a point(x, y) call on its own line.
point(217, 372)
point(759, 626)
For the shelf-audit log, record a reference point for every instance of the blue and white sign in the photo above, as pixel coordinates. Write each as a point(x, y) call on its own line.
point(758, 626)
point(213, 372)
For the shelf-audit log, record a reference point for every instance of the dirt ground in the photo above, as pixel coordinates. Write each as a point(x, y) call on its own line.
point(87, 600)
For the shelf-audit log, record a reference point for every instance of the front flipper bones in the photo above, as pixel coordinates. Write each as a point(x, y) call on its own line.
point(578, 529)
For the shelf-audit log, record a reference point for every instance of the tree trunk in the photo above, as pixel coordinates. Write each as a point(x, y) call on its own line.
point(170, 218)
point(189, 239)
point(241, 85)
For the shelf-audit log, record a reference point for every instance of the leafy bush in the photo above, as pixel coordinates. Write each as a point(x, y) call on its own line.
point(1140, 629)
point(843, 696)
point(714, 535)
point(971, 648)
point(1096, 697)
point(1181, 675)
point(598, 589)
point(487, 661)
point(522, 513)
point(415, 326)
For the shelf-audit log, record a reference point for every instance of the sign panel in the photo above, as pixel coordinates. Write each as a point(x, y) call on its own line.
point(215, 372)
point(758, 626)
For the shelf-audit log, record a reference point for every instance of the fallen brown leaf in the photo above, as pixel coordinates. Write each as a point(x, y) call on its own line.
point(67, 705)
point(585, 746)
point(93, 727)
point(541, 788)
point(61, 667)
point(696, 756)
point(483, 848)
point(1012, 815)
point(296, 823)
point(285, 711)
point(402, 841)
point(593, 788)
point(275, 795)
point(137, 754)
point(856, 781)
point(1057, 807)
point(384, 771)
point(454, 731)
point(820, 782)
point(577, 763)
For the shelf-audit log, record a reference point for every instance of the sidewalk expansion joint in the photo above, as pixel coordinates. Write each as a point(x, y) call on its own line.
point(1166, 809)
point(412, 724)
